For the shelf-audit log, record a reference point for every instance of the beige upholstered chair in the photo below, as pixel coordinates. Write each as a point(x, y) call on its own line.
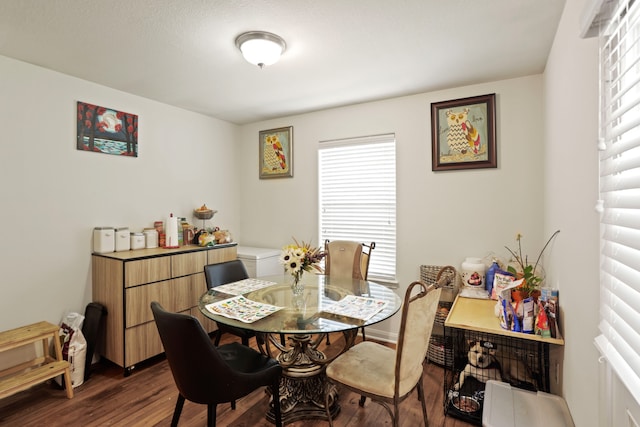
point(347, 259)
point(385, 375)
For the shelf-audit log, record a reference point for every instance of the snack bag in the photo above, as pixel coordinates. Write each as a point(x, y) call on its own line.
point(502, 280)
point(527, 316)
point(542, 324)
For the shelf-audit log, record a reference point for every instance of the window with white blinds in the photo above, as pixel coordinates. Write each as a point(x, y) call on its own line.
point(619, 341)
point(357, 180)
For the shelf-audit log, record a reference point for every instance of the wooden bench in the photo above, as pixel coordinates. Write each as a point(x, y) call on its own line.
point(38, 370)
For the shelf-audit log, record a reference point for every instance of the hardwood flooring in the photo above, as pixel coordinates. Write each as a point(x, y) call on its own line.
point(147, 398)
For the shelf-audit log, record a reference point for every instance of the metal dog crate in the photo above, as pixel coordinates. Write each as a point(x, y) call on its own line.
point(472, 320)
point(529, 359)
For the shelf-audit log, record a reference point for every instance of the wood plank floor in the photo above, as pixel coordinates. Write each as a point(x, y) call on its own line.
point(147, 398)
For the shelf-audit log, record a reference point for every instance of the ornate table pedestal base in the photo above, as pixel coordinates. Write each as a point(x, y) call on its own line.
point(304, 383)
point(302, 395)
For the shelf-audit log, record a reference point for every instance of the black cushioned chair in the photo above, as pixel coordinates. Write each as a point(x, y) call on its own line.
point(207, 374)
point(221, 274)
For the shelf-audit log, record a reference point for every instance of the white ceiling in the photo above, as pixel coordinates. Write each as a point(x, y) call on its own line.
point(339, 52)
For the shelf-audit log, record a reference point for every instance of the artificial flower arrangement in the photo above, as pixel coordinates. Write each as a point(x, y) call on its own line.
point(524, 270)
point(298, 258)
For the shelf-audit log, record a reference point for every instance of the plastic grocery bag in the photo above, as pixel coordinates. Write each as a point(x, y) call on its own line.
point(74, 347)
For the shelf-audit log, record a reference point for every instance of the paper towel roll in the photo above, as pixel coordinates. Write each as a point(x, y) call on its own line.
point(171, 230)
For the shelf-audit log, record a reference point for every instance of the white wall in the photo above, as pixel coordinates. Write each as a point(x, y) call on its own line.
point(442, 217)
point(53, 195)
point(571, 191)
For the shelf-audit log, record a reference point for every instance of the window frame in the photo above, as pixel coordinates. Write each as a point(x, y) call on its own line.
point(619, 204)
point(349, 164)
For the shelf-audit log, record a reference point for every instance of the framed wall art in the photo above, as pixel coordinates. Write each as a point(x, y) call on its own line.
point(463, 133)
point(276, 152)
point(106, 130)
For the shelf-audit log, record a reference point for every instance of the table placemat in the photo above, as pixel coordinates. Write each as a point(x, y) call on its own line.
point(356, 307)
point(243, 286)
point(242, 309)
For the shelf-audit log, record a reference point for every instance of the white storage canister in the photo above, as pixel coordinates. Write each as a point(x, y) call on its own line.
point(473, 272)
point(123, 239)
point(103, 240)
point(151, 238)
point(137, 241)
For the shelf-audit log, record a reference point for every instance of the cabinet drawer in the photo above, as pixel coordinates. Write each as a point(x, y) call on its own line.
point(143, 342)
point(174, 295)
point(198, 287)
point(147, 271)
point(189, 263)
point(215, 256)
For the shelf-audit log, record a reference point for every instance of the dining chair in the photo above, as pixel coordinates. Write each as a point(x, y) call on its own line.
point(347, 259)
point(221, 274)
point(207, 374)
point(388, 375)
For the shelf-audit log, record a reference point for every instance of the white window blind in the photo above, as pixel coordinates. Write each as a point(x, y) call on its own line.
point(357, 179)
point(619, 341)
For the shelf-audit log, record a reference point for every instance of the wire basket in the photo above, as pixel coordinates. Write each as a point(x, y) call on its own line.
point(443, 312)
point(445, 276)
point(204, 215)
point(440, 350)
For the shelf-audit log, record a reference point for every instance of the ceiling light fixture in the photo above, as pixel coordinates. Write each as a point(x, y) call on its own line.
point(261, 48)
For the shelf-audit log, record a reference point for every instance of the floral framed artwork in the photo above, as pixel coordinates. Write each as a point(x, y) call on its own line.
point(464, 133)
point(276, 152)
point(106, 130)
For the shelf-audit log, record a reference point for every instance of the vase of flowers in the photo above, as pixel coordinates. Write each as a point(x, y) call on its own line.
point(298, 258)
point(522, 269)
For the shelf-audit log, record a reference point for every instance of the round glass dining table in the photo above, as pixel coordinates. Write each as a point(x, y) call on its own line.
point(304, 319)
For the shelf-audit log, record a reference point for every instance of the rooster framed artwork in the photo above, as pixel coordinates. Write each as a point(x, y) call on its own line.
point(463, 133)
point(276, 152)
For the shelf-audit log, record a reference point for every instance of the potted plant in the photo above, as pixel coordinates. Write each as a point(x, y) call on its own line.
point(529, 272)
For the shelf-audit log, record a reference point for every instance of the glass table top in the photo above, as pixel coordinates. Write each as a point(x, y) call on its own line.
point(304, 313)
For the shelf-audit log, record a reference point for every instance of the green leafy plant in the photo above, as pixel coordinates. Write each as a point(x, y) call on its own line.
point(525, 270)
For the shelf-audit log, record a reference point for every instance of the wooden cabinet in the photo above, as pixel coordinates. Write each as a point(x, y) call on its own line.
point(126, 283)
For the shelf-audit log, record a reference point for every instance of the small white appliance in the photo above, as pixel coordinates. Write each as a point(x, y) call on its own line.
point(260, 262)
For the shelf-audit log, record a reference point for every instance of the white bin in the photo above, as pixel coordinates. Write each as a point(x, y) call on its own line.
point(260, 262)
point(505, 406)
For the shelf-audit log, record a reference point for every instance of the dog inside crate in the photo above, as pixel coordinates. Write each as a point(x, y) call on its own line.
point(491, 357)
